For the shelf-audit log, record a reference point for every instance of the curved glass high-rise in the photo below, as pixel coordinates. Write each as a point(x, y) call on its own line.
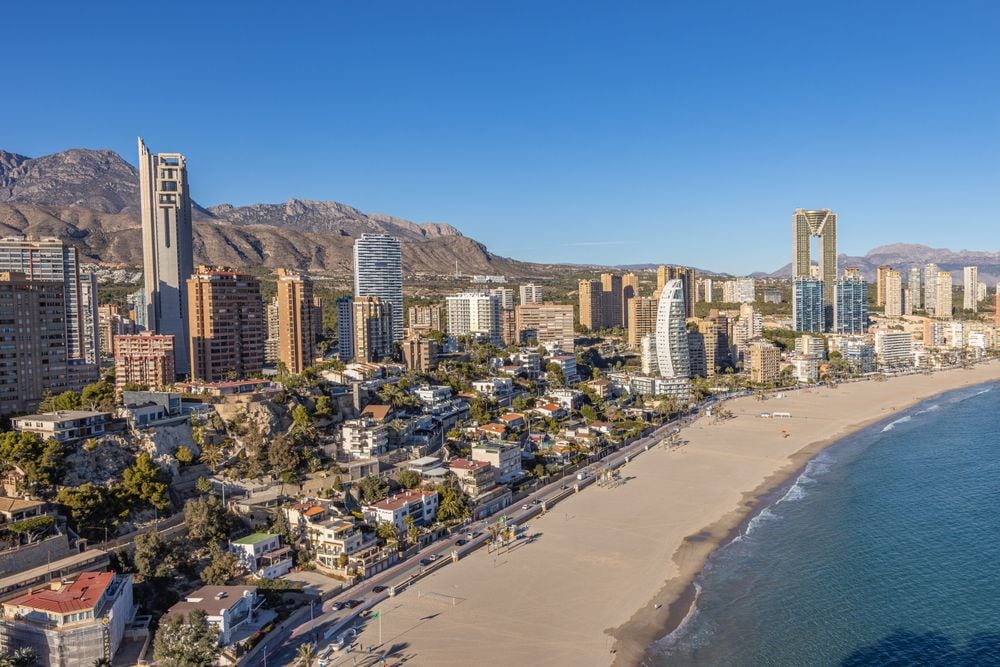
point(673, 358)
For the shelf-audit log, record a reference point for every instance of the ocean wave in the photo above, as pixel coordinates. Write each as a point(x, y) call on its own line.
point(764, 515)
point(665, 644)
point(930, 408)
point(892, 425)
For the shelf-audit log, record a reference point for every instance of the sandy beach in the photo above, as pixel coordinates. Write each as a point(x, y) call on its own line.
point(611, 570)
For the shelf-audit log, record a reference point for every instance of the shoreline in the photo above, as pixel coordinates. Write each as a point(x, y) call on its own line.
point(583, 587)
point(680, 594)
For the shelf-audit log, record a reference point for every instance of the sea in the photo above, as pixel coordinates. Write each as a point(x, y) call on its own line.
point(884, 551)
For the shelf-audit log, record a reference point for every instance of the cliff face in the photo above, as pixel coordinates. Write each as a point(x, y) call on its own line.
point(90, 199)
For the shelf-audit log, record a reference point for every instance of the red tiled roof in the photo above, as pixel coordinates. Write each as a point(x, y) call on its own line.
point(551, 407)
point(82, 594)
point(397, 501)
point(493, 428)
point(378, 412)
point(512, 416)
point(467, 464)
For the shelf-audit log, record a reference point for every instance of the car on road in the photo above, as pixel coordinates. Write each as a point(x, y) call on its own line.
point(525, 507)
point(379, 588)
point(426, 561)
point(337, 606)
point(433, 557)
point(351, 604)
point(345, 639)
point(536, 501)
point(462, 542)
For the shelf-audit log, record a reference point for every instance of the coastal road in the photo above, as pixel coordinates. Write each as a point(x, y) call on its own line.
point(281, 649)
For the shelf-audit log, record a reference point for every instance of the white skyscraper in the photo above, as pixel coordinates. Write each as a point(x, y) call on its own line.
point(930, 288)
point(672, 354)
point(970, 288)
point(91, 327)
point(916, 297)
point(475, 314)
point(378, 271)
point(707, 287)
point(167, 256)
point(530, 293)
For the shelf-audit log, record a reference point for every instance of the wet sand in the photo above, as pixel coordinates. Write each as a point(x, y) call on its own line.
point(611, 570)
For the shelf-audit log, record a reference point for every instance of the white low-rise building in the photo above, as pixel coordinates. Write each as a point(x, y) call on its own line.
point(505, 459)
point(263, 555)
point(494, 387)
point(228, 608)
point(421, 505)
point(365, 438)
point(63, 425)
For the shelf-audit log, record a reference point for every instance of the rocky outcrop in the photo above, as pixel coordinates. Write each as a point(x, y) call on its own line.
point(90, 199)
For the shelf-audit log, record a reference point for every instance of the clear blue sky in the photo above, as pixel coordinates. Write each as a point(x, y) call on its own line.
point(569, 131)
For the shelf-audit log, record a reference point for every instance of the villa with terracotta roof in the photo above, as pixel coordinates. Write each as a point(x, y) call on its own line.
point(513, 420)
point(19, 509)
point(421, 505)
point(70, 623)
point(553, 410)
point(476, 477)
point(493, 430)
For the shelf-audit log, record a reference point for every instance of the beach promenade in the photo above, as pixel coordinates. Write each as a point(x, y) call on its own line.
point(610, 570)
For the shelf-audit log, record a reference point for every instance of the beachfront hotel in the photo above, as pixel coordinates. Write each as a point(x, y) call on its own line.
point(672, 353)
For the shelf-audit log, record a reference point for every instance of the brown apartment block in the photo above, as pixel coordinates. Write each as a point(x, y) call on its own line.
point(641, 319)
point(688, 278)
point(33, 354)
point(296, 329)
point(996, 312)
point(144, 359)
point(765, 362)
point(111, 322)
point(226, 325)
point(881, 276)
point(552, 322)
point(611, 300)
point(372, 328)
point(421, 319)
point(630, 290)
point(420, 354)
point(591, 309)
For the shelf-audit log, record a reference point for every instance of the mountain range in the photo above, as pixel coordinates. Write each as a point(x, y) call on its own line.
point(90, 199)
point(903, 256)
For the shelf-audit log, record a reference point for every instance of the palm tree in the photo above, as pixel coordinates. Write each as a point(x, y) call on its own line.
point(212, 456)
point(412, 531)
point(306, 654)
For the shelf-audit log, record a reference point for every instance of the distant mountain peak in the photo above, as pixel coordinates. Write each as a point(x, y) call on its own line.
point(90, 198)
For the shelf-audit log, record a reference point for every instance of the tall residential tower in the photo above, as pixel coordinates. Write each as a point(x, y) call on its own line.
point(805, 226)
point(378, 271)
point(167, 255)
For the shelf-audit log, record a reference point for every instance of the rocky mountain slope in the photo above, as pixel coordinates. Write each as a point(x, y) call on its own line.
point(90, 198)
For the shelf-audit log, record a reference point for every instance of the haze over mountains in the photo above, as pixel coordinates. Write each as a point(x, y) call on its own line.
point(90, 198)
point(901, 256)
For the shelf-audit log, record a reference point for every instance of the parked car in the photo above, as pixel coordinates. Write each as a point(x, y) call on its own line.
point(462, 542)
point(379, 588)
point(426, 561)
